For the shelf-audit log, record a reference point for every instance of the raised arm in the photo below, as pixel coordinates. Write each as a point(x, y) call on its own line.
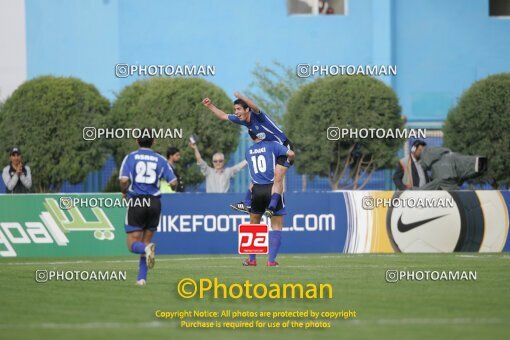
point(197, 153)
point(248, 101)
point(238, 167)
point(204, 168)
point(217, 112)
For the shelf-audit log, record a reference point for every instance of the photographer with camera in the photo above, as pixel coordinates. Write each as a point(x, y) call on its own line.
point(449, 170)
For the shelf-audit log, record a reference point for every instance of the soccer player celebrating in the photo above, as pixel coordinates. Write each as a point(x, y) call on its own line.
point(248, 114)
point(140, 174)
point(260, 157)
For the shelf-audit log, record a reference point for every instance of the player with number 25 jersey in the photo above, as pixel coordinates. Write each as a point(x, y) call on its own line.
point(140, 174)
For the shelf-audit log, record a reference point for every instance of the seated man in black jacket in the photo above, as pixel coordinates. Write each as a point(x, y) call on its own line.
point(409, 172)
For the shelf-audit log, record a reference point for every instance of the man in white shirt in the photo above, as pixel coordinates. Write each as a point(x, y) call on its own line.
point(217, 178)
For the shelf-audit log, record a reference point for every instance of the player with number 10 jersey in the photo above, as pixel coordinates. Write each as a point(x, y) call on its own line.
point(262, 159)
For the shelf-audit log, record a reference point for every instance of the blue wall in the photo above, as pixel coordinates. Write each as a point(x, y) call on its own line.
point(440, 47)
point(74, 38)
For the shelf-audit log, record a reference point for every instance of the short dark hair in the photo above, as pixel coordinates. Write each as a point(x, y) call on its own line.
point(172, 150)
point(145, 141)
point(241, 102)
point(419, 142)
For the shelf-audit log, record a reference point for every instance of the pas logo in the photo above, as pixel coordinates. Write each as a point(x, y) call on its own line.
point(253, 239)
point(53, 226)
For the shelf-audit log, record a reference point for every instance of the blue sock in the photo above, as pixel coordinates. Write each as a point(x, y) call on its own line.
point(252, 257)
point(138, 247)
point(247, 198)
point(275, 241)
point(142, 272)
point(275, 198)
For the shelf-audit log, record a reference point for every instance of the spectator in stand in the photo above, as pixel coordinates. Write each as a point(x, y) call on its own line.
point(16, 175)
point(217, 178)
point(173, 155)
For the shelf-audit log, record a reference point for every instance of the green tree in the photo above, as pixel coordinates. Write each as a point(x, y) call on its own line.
point(45, 117)
point(272, 88)
point(345, 102)
point(479, 125)
point(174, 103)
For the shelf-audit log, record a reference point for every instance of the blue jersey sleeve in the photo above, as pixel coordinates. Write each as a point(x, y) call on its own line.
point(168, 173)
point(235, 119)
point(276, 134)
point(124, 168)
point(260, 117)
point(280, 150)
point(263, 118)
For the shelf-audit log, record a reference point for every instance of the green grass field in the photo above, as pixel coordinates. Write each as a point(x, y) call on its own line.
point(122, 310)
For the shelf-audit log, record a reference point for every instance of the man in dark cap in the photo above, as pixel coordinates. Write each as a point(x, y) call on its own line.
point(17, 177)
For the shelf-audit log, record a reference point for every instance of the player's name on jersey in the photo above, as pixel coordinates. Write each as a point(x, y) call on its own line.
point(141, 157)
point(257, 151)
